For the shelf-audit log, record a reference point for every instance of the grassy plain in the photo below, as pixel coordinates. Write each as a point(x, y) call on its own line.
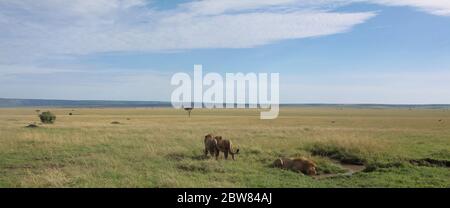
point(162, 147)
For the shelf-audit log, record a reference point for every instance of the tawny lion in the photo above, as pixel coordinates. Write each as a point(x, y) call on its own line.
point(210, 145)
point(301, 164)
point(215, 145)
point(225, 146)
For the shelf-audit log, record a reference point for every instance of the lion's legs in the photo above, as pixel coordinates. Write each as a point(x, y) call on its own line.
point(217, 154)
point(225, 154)
point(232, 156)
point(206, 152)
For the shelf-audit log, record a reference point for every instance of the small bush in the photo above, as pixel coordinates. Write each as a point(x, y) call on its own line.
point(115, 122)
point(47, 117)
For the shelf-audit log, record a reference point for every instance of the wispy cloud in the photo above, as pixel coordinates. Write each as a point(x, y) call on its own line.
point(32, 29)
point(37, 29)
point(419, 87)
point(436, 7)
point(18, 70)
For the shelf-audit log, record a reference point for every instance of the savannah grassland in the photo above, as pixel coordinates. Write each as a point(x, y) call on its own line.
point(162, 147)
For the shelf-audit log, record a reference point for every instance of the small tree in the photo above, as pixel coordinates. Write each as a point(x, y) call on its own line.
point(47, 117)
point(189, 111)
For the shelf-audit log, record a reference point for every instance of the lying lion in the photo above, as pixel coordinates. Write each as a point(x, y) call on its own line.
point(215, 145)
point(301, 164)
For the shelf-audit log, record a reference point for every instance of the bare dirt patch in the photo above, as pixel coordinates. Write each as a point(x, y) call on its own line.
point(350, 170)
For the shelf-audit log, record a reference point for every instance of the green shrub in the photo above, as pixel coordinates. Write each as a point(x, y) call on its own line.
point(47, 117)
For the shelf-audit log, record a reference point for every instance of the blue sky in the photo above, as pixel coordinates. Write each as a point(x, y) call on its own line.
point(328, 51)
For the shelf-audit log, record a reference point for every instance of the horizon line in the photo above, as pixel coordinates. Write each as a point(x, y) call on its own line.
point(285, 103)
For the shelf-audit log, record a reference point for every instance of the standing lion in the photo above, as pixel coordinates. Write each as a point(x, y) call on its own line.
point(225, 146)
point(210, 146)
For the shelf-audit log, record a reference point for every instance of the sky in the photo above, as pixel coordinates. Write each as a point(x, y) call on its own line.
point(326, 51)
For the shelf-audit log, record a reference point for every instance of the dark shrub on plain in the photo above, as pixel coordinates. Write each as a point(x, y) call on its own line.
point(32, 126)
point(47, 117)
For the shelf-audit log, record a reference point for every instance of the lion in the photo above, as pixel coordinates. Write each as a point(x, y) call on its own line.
point(225, 146)
point(210, 145)
point(302, 164)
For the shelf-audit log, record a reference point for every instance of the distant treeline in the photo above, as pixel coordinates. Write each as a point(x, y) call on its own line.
point(6, 102)
point(9, 103)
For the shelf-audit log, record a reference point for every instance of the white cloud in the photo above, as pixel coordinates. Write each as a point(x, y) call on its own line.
point(37, 29)
point(436, 7)
point(395, 87)
point(18, 70)
point(209, 7)
point(31, 30)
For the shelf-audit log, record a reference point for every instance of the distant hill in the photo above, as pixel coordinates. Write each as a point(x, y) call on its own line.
point(6, 102)
point(9, 103)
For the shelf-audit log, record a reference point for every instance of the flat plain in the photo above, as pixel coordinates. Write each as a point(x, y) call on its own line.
point(163, 147)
